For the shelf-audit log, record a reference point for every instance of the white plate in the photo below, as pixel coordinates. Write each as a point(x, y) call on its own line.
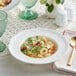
point(11, 5)
point(15, 43)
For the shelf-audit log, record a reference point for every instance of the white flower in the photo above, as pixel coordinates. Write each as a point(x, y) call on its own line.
point(43, 1)
point(50, 2)
point(54, 2)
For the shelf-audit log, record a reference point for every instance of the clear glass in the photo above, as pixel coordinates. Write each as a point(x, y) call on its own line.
point(28, 14)
point(3, 24)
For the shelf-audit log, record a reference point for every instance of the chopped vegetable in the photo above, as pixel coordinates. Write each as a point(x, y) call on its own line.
point(37, 37)
point(26, 52)
point(29, 40)
point(36, 49)
point(38, 44)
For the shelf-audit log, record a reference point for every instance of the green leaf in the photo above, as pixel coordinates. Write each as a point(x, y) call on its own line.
point(58, 1)
point(47, 4)
point(50, 8)
point(62, 1)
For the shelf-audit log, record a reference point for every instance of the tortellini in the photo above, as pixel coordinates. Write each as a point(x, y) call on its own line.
point(43, 51)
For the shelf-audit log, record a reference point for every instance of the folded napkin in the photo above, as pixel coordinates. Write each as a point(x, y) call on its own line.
point(61, 65)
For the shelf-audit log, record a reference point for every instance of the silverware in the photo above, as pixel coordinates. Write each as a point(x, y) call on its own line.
point(73, 45)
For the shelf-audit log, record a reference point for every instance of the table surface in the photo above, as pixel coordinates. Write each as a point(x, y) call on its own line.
point(9, 66)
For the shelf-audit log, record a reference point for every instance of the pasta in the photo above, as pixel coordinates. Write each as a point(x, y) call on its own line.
point(38, 47)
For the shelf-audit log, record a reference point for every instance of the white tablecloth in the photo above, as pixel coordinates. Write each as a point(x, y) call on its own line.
point(9, 66)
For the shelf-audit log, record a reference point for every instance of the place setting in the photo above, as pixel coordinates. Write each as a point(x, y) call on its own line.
point(38, 46)
point(68, 64)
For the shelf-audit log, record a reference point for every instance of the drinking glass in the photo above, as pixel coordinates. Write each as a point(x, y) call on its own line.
point(28, 14)
point(3, 23)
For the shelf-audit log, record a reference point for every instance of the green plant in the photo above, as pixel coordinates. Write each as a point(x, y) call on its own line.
point(50, 4)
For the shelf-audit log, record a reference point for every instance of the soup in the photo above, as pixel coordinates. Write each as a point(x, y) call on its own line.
point(38, 47)
point(4, 3)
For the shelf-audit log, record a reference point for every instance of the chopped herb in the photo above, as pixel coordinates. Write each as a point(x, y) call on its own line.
point(24, 45)
point(22, 50)
point(36, 49)
point(37, 37)
point(45, 47)
point(26, 52)
point(31, 47)
point(29, 40)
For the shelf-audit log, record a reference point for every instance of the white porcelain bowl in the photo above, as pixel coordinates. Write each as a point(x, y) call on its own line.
point(11, 5)
point(16, 41)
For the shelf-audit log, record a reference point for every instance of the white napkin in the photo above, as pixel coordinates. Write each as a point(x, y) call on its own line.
point(62, 63)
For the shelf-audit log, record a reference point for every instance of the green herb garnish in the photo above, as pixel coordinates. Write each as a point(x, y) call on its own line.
point(26, 52)
point(24, 45)
point(22, 50)
point(31, 47)
point(37, 37)
point(29, 40)
point(36, 49)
